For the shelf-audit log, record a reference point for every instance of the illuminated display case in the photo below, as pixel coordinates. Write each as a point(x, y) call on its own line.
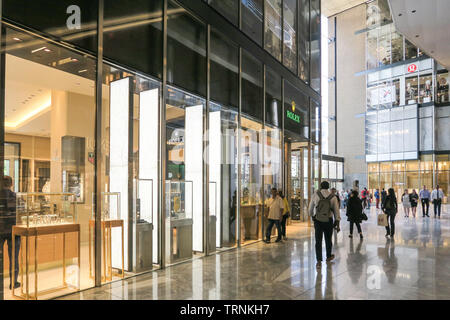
point(38, 209)
point(45, 216)
point(112, 226)
point(179, 209)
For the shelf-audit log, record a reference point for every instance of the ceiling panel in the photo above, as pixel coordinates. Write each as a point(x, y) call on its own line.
point(426, 24)
point(333, 7)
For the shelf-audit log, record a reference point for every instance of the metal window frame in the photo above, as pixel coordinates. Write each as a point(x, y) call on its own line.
point(266, 60)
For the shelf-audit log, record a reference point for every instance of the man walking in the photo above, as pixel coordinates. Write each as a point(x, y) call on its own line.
point(275, 205)
point(322, 207)
point(424, 196)
point(436, 198)
point(377, 198)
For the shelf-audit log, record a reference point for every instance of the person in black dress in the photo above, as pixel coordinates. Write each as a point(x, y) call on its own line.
point(354, 213)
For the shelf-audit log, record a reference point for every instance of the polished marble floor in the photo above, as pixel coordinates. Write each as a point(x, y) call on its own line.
point(415, 265)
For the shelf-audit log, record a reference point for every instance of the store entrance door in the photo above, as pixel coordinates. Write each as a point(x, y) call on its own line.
point(296, 177)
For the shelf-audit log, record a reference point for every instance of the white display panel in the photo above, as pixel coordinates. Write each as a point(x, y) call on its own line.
point(148, 160)
point(118, 174)
point(215, 157)
point(193, 169)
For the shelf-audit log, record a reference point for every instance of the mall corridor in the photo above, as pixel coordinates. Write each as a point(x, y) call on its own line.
point(413, 266)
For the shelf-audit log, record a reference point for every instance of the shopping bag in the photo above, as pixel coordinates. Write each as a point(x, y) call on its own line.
point(382, 220)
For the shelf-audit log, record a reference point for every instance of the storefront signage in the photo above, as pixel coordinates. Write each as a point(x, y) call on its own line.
point(291, 115)
point(412, 68)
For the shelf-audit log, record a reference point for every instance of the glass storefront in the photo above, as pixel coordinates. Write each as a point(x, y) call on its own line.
point(429, 170)
point(121, 159)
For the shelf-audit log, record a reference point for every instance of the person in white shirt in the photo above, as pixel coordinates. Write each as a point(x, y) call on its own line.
point(321, 201)
point(436, 198)
point(275, 205)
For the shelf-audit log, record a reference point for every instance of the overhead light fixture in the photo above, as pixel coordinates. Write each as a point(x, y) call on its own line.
point(47, 50)
point(81, 71)
point(16, 39)
point(30, 115)
point(37, 50)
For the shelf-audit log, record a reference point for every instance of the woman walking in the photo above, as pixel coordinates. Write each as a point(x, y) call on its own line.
point(406, 203)
point(354, 213)
point(390, 208)
point(414, 199)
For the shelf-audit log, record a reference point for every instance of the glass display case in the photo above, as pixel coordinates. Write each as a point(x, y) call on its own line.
point(179, 220)
point(112, 238)
point(39, 209)
point(425, 88)
point(179, 200)
point(411, 90)
point(45, 216)
point(442, 88)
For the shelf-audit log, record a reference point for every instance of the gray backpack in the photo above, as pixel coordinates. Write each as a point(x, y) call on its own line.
point(323, 207)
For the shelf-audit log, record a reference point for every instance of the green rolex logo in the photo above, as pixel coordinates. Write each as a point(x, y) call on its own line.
point(291, 115)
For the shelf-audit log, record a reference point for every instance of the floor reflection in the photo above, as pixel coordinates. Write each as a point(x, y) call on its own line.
point(414, 265)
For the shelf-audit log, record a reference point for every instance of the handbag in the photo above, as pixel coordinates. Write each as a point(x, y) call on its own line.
point(364, 217)
point(382, 220)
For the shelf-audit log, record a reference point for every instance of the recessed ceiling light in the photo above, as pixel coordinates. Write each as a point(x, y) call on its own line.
point(47, 50)
point(81, 71)
point(36, 50)
point(16, 39)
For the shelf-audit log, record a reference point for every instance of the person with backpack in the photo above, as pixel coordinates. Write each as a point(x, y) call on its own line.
point(390, 209)
point(377, 198)
point(322, 208)
point(354, 213)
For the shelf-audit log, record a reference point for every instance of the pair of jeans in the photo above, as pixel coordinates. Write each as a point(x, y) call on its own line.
point(321, 229)
point(358, 226)
point(283, 224)
point(8, 238)
point(270, 226)
point(437, 207)
point(425, 202)
point(390, 229)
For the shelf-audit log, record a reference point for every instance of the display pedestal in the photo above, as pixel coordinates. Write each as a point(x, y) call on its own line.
point(250, 222)
point(107, 271)
point(35, 232)
point(180, 240)
point(144, 246)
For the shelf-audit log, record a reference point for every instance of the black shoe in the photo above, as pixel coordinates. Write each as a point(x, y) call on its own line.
point(428, 215)
point(266, 241)
point(16, 285)
point(278, 240)
point(350, 236)
point(330, 258)
point(361, 236)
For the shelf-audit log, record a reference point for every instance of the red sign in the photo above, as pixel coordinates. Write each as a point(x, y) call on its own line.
point(412, 68)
